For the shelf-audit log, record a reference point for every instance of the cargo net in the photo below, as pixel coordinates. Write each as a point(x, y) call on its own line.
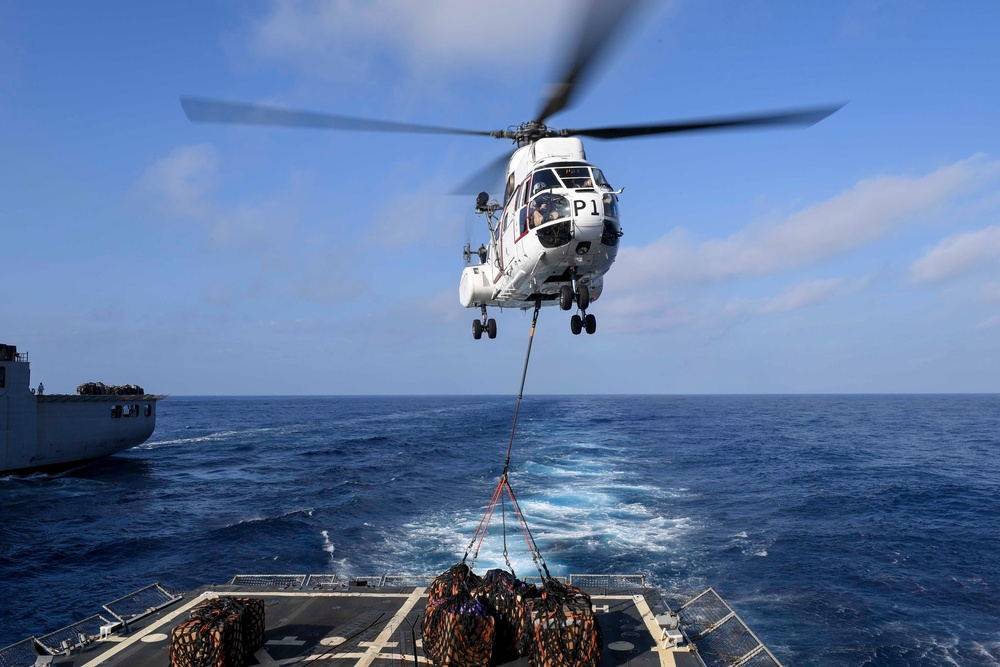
point(473, 621)
point(141, 602)
point(101, 389)
point(222, 632)
point(722, 638)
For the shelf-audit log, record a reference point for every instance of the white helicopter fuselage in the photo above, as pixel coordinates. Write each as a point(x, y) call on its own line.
point(559, 226)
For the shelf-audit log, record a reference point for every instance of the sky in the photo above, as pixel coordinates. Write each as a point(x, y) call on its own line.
point(860, 255)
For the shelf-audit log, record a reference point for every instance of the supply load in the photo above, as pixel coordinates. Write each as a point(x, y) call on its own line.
point(221, 632)
point(473, 621)
point(101, 389)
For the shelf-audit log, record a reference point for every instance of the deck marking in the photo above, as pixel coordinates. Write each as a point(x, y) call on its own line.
point(387, 632)
point(348, 656)
point(264, 658)
point(287, 641)
point(148, 630)
point(654, 629)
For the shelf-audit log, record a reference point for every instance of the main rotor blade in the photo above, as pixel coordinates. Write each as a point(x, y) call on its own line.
point(798, 117)
point(484, 179)
point(602, 20)
point(201, 110)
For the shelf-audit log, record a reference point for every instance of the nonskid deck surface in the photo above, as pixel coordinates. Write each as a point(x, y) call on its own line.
point(362, 626)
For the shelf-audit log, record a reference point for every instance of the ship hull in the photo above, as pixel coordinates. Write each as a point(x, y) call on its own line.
point(43, 432)
point(73, 430)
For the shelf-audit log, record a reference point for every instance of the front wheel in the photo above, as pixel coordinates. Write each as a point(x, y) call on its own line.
point(477, 329)
point(575, 325)
point(566, 297)
point(491, 328)
point(591, 324)
point(583, 296)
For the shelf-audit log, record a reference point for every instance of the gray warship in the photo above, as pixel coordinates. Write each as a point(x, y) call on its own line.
point(42, 432)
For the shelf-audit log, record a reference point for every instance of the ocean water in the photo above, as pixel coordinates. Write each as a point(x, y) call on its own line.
point(845, 530)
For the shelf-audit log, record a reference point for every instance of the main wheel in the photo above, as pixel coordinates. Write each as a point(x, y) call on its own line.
point(477, 329)
point(491, 328)
point(582, 296)
point(566, 297)
point(575, 325)
point(591, 323)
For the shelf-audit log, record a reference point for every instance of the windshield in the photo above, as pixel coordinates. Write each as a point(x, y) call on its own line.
point(547, 207)
point(610, 205)
point(600, 180)
point(543, 179)
point(576, 177)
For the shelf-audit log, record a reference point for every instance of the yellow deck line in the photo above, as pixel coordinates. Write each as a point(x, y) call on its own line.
point(390, 628)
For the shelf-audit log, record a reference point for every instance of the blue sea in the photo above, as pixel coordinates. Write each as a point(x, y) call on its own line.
point(845, 530)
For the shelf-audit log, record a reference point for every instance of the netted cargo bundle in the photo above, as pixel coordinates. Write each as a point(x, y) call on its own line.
point(222, 632)
point(101, 389)
point(455, 579)
point(505, 596)
point(566, 633)
point(204, 643)
point(126, 390)
point(458, 631)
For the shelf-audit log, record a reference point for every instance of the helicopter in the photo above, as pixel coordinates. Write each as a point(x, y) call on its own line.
point(555, 231)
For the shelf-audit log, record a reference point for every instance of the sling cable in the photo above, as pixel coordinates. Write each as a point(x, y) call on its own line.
point(473, 621)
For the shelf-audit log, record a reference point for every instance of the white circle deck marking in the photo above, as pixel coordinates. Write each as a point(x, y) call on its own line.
point(621, 646)
point(153, 638)
point(332, 641)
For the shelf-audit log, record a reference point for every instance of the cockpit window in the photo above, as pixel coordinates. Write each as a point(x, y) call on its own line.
point(610, 205)
point(510, 188)
point(600, 180)
point(543, 179)
point(547, 207)
point(576, 177)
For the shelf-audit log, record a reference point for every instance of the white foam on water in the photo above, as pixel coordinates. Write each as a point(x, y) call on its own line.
point(213, 437)
point(339, 565)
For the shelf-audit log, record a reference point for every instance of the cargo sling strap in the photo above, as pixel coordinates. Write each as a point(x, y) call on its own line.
point(503, 489)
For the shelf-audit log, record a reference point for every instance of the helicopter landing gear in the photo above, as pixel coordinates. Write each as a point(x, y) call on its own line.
point(582, 296)
point(566, 297)
point(487, 325)
point(579, 293)
point(586, 323)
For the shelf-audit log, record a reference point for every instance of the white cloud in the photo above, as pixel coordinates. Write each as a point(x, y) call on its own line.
point(417, 216)
point(802, 295)
point(180, 181)
point(343, 36)
point(341, 39)
point(990, 293)
point(959, 254)
point(991, 323)
point(182, 185)
point(866, 212)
